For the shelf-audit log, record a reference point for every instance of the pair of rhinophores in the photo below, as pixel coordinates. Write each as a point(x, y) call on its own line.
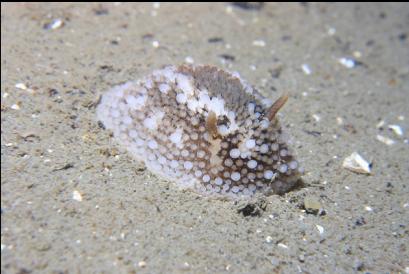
point(203, 128)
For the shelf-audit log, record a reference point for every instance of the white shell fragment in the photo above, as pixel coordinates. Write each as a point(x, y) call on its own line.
point(76, 195)
point(204, 129)
point(357, 164)
point(396, 129)
point(385, 140)
point(346, 62)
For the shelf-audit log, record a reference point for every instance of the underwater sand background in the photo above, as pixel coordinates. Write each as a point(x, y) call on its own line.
point(74, 202)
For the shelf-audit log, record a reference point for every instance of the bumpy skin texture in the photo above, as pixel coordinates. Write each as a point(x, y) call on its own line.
point(204, 129)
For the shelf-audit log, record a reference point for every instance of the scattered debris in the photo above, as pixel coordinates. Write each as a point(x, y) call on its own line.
point(215, 40)
point(357, 164)
point(66, 166)
point(385, 140)
point(360, 221)
point(253, 208)
point(227, 57)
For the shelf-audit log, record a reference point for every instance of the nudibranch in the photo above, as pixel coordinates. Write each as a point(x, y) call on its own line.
point(203, 128)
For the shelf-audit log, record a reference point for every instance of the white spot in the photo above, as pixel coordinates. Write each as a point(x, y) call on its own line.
point(152, 144)
point(223, 130)
point(185, 153)
point(251, 143)
point(235, 176)
point(293, 164)
point(133, 133)
point(198, 173)
point(181, 98)
point(150, 123)
point(218, 181)
point(368, 208)
point(206, 178)
point(127, 120)
point(235, 189)
point(264, 123)
point(251, 107)
point(174, 164)
point(184, 84)
point(268, 174)
point(176, 137)
point(201, 154)
point(234, 153)
point(136, 103)
point(164, 88)
point(188, 165)
point(252, 164)
point(264, 148)
point(155, 44)
point(228, 162)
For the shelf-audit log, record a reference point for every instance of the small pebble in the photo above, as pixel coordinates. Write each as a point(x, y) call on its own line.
point(142, 264)
point(312, 205)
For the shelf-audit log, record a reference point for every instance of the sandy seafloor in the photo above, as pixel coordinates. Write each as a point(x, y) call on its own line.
point(126, 219)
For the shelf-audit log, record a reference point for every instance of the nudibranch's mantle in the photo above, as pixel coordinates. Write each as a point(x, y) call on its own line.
point(204, 129)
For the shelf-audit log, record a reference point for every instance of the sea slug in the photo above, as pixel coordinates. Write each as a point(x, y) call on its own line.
point(203, 128)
